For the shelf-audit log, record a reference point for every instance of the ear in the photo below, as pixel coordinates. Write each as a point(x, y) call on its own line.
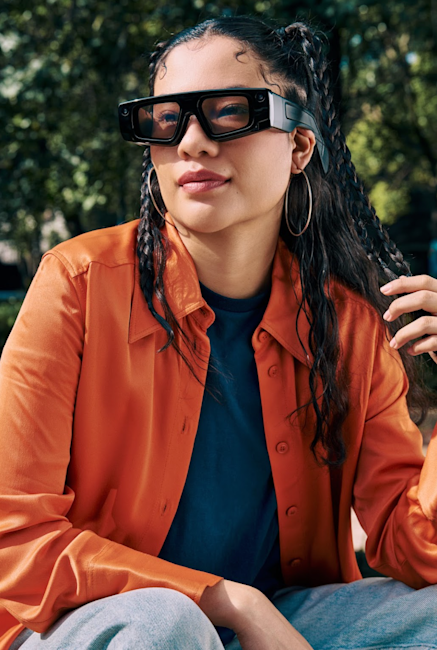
point(304, 141)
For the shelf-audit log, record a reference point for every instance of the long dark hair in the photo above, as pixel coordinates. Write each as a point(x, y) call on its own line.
point(345, 239)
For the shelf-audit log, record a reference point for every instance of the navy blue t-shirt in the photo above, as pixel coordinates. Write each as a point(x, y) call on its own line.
point(226, 522)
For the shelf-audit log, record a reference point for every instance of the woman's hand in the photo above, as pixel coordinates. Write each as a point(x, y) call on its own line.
point(255, 620)
point(422, 295)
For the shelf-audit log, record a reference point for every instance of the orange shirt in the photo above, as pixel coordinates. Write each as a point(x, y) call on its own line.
point(97, 430)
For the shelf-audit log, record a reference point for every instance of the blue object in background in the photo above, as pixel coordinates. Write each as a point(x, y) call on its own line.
point(432, 258)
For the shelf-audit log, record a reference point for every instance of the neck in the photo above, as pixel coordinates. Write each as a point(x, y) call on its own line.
point(235, 262)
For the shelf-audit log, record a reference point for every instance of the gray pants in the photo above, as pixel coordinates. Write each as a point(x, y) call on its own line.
point(371, 614)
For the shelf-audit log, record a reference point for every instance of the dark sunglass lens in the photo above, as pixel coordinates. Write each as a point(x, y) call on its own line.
point(226, 114)
point(158, 120)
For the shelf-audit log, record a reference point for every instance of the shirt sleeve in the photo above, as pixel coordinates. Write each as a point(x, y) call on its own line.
point(47, 565)
point(394, 497)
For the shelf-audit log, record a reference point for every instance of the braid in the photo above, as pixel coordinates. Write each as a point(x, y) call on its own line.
point(153, 62)
point(358, 203)
point(329, 402)
point(152, 246)
point(150, 242)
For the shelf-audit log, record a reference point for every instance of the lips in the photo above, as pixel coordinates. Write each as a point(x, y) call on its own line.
point(200, 176)
point(201, 181)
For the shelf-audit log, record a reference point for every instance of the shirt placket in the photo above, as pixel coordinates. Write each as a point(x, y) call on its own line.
point(284, 445)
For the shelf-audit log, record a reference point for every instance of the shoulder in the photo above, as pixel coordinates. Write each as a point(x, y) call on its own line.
point(111, 247)
point(363, 334)
point(350, 304)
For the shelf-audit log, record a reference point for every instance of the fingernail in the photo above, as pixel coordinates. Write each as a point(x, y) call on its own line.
point(386, 288)
point(387, 316)
point(394, 344)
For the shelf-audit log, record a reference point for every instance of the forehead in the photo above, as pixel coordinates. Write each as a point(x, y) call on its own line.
point(213, 62)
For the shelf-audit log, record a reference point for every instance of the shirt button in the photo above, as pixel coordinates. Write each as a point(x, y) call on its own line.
point(263, 336)
point(273, 371)
point(291, 511)
point(282, 447)
point(295, 562)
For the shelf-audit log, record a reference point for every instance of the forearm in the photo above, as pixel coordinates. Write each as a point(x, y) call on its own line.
point(66, 568)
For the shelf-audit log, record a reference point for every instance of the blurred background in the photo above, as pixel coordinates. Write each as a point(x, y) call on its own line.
point(66, 64)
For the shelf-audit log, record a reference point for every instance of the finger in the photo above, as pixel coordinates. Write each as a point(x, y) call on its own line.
point(406, 284)
point(426, 300)
point(433, 356)
point(426, 325)
point(428, 344)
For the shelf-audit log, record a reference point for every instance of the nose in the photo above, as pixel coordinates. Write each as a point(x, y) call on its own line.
point(195, 142)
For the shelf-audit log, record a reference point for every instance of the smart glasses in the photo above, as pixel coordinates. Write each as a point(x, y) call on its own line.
point(224, 115)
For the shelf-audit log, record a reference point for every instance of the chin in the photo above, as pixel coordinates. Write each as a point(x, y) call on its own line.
point(205, 221)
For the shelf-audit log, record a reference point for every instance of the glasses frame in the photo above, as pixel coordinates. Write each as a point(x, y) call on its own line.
point(266, 110)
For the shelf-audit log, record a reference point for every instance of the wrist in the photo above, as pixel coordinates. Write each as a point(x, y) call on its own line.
point(229, 604)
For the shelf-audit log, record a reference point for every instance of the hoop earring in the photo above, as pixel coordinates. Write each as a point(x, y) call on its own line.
point(310, 207)
point(152, 169)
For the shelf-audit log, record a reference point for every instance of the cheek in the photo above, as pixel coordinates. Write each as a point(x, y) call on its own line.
point(269, 166)
point(161, 158)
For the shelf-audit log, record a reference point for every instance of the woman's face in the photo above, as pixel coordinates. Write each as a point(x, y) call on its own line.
point(256, 167)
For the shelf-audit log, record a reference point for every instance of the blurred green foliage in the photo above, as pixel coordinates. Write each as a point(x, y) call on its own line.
point(390, 73)
point(8, 313)
point(66, 64)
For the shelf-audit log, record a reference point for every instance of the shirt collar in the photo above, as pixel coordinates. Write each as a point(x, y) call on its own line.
point(182, 289)
point(184, 297)
point(282, 314)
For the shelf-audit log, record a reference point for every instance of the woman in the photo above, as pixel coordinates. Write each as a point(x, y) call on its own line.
point(183, 434)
